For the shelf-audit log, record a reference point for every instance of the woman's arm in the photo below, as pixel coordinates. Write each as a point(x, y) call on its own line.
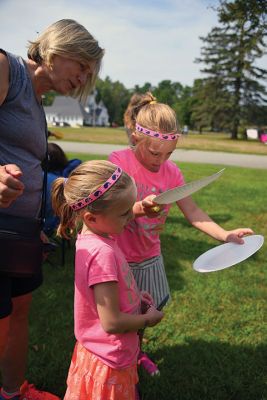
point(4, 77)
point(10, 185)
point(115, 321)
point(200, 220)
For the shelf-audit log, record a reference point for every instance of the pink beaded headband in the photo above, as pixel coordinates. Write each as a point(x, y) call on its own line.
point(157, 135)
point(99, 192)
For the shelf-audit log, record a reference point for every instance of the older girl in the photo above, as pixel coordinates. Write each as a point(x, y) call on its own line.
point(154, 138)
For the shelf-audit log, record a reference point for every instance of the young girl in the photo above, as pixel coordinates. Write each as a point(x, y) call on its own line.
point(154, 139)
point(107, 304)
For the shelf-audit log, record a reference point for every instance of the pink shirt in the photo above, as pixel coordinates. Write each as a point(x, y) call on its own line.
point(97, 260)
point(140, 239)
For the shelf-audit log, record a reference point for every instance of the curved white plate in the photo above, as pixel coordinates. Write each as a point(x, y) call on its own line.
point(228, 254)
point(178, 193)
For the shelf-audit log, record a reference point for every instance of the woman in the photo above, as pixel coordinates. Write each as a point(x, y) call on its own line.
point(64, 58)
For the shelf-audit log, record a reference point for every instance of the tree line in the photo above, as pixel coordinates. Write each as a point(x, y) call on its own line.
point(231, 94)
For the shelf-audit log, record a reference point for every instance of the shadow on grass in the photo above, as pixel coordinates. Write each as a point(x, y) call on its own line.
point(192, 370)
point(200, 370)
point(176, 252)
point(52, 326)
point(218, 218)
point(179, 249)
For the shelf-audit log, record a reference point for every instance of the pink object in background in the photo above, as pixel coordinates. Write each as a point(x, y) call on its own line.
point(263, 138)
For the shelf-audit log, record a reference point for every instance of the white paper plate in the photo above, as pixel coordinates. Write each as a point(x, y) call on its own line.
point(228, 254)
point(178, 193)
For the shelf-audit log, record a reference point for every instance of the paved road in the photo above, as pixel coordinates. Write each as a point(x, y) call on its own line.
point(195, 156)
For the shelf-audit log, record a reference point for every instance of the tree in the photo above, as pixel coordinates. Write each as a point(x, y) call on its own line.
point(229, 54)
point(115, 97)
point(147, 87)
point(48, 98)
point(168, 92)
point(211, 105)
point(201, 106)
point(183, 106)
point(177, 97)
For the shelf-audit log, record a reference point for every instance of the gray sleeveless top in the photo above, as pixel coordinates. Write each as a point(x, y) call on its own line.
point(23, 137)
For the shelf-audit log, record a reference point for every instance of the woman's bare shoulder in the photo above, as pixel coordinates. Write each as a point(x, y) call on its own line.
point(4, 77)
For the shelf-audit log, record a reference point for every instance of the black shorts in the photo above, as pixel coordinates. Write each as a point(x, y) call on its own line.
point(13, 287)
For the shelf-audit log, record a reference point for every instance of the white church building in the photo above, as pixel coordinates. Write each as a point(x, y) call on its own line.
point(70, 112)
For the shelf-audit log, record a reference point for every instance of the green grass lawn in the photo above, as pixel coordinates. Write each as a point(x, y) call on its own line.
point(207, 141)
point(211, 345)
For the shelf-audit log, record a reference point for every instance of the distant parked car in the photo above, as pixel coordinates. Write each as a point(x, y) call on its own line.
point(63, 123)
point(55, 123)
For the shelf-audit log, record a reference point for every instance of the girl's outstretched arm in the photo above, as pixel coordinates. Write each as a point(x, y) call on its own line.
point(115, 321)
point(200, 220)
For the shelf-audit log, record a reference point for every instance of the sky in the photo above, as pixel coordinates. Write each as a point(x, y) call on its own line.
point(144, 40)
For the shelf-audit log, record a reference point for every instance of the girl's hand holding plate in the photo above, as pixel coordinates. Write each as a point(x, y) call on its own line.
point(236, 235)
point(151, 209)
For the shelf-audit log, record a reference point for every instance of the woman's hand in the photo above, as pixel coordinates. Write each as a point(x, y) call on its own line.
point(10, 185)
point(236, 235)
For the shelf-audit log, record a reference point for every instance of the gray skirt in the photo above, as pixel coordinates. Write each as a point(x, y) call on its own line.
point(150, 275)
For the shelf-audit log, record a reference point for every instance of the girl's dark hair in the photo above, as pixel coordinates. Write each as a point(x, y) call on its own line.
point(57, 159)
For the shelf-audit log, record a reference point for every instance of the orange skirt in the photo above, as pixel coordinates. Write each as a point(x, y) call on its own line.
point(90, 379)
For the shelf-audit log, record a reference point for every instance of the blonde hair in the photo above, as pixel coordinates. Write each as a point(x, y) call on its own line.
point(84, 180)
point(68, 38)
point(137, 101)
point(146, 111)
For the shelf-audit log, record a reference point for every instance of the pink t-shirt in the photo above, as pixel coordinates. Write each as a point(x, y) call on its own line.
point(97, 260)
point(140, 239)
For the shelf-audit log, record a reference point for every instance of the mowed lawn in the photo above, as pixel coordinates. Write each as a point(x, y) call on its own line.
point(193, 141)
point(211, 344)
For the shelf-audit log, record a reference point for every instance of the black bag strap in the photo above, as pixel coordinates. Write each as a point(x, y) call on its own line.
point(44, 191)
